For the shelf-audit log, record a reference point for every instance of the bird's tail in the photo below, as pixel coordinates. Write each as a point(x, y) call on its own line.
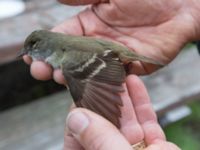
point(132, 56)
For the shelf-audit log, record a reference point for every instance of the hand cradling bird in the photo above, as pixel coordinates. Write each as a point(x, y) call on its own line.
point(93, 68)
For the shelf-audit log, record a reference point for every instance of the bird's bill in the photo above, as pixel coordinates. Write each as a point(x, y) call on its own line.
point(21, 53)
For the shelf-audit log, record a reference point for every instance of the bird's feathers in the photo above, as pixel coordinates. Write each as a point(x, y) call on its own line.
point(94, 68)
point(98, 84)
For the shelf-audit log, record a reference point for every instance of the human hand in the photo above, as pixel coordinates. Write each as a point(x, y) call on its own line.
point(89, 131)
point(156, 29)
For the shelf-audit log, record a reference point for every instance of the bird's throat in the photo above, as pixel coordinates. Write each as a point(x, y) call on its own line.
point(54, 60)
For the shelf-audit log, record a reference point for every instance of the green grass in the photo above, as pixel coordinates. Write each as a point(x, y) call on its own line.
point(188, 46)
point(186, 132)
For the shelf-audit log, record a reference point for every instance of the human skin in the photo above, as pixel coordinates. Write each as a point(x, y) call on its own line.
point(89, 131)
point(156, 29)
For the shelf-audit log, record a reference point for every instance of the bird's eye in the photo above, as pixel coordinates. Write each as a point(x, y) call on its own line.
point(62, 49)
point(33, 44)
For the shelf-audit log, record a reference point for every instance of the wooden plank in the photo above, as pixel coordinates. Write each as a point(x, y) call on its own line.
point(177, 83)
point(38, 125)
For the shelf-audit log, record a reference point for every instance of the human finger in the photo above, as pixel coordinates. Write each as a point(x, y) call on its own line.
point(94, 132)
point(144, 110)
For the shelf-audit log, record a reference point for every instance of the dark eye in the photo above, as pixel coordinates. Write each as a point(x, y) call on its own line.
point(33, 44)
point(62, 49)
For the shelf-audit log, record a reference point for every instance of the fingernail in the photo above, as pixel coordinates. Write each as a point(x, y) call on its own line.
point(77, 122)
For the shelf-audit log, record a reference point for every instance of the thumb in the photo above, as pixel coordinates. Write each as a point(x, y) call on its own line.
point(93, 132)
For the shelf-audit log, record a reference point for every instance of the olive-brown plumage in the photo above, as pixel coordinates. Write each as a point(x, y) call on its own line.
point(94, 68)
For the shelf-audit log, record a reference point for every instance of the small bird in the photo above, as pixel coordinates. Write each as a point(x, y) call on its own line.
point(93, 68)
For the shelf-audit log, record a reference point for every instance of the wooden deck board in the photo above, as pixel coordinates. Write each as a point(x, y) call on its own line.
point(176, 83)
point(38, 125)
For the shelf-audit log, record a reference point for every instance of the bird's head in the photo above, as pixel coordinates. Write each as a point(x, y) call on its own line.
point(39, 45)
point(45, 46)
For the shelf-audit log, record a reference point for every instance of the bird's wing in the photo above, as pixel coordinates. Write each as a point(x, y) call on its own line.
point(96, 84)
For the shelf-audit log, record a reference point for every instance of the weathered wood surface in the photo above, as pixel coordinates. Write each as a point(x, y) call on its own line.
point(35, 126)
point(39, 15)
point(177, 83)
point(39, 125)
